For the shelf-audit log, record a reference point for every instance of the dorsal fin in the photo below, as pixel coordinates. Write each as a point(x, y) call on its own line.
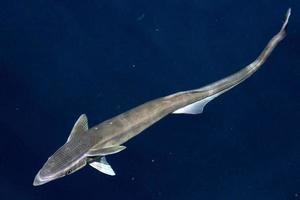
point(81, 125)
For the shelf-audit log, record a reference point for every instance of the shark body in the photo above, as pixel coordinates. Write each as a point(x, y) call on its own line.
point(90, 145)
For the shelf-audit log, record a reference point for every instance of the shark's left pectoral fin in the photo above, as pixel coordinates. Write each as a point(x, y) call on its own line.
point(105, 151)
point(103, 166)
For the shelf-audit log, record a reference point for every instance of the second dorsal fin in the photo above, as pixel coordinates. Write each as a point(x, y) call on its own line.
point(81, 125)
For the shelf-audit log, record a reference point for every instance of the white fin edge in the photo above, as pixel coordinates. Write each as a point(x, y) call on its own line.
point(103, 166)
point(198, 106)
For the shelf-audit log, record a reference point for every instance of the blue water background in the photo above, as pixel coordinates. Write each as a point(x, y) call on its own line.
point(59, 59)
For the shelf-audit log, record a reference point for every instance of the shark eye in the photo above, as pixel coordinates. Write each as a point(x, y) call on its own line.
point(69, 171)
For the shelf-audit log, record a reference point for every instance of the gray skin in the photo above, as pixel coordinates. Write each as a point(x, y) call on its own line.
point(85, 145)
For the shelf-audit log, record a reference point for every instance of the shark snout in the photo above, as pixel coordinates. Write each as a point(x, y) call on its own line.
point(39, 180)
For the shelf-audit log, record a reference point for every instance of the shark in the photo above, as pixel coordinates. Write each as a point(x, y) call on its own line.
point(90, 146)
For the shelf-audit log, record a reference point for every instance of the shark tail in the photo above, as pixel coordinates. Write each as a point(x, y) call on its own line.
point(219, 87)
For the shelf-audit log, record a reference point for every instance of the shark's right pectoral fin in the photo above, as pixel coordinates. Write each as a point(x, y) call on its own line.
point(103, 166)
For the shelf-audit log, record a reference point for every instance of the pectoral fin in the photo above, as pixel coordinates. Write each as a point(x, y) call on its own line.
point(103, 166)
point(105, 151)
point(81, 125)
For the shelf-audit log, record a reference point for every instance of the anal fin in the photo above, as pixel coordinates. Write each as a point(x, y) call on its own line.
point(196, 107)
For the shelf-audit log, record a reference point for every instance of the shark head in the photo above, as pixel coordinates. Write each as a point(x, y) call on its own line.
point(69, 158)
point(79, 150)
point(65, 161)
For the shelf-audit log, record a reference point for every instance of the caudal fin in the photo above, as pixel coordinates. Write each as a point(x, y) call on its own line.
point(217, 88)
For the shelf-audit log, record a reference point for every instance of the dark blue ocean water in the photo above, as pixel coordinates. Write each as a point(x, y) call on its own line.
point(59, 59)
